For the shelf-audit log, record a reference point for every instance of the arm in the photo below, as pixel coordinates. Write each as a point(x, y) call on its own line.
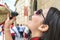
point(7, 29)
point(7, 34)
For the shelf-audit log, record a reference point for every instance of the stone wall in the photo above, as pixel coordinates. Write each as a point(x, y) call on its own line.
point(48, 3)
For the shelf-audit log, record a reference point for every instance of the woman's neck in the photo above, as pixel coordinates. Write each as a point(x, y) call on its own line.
point(36, 33)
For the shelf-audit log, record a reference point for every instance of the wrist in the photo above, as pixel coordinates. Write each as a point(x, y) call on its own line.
point(6, 29)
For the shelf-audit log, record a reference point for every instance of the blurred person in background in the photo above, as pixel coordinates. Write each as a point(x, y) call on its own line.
point(12, 31)
point(21, 30)
point(1, 29)
point(27, 33)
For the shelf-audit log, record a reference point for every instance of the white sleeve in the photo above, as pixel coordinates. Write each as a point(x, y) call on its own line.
point(15, 29)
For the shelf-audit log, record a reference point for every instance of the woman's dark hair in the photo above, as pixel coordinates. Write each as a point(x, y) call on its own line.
point(53, 21)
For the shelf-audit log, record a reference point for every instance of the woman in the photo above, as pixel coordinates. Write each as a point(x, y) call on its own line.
point(44, 25)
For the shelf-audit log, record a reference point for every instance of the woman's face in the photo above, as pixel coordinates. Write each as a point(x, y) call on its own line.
point(37, 20)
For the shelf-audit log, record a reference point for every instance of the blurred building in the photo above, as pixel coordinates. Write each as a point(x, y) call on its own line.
point(48, 3)
point(26, 8)
point(1, 2)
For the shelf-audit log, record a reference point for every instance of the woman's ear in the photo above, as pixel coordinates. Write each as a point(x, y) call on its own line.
point(43, 28)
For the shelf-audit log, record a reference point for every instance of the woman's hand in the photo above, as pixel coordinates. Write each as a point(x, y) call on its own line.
point(8, 22)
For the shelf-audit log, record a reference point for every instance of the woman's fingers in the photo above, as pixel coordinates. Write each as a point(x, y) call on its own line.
point(8, 22)
point(12, 20)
